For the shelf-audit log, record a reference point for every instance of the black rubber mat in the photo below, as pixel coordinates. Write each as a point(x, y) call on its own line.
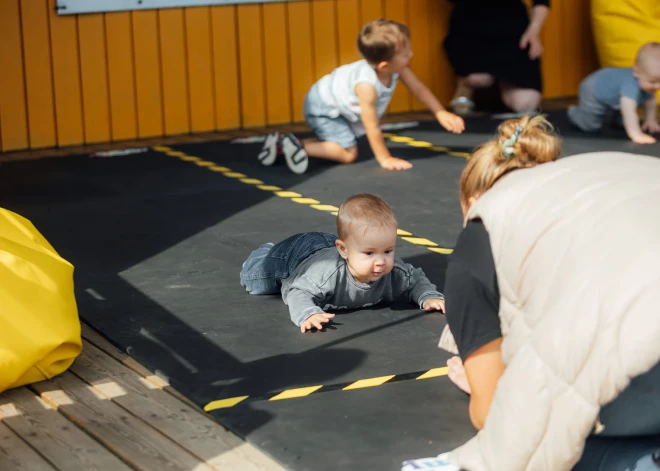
point(158, 242)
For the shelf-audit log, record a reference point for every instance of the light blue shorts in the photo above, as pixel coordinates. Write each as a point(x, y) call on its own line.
point(318, 116)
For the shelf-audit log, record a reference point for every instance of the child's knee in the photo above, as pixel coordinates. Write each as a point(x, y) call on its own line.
point(522, 100)
point(350, 155)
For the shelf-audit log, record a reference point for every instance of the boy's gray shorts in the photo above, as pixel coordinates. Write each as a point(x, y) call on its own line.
point(589, 114)
point(334, 129)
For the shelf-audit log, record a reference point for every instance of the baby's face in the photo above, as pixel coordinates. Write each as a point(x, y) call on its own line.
point(401, 59)
point(370, 252)
point(649, 76)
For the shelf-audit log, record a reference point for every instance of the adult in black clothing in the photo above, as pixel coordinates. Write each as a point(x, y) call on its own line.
point(495, 41)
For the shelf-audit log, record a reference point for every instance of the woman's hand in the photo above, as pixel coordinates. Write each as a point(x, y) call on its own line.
point(531, 38)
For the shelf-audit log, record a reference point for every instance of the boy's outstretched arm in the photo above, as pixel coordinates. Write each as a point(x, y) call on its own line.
point(631, 122)
point(447, 120)
point(651, 115)
point(305, 311)
point(417, 287)
point(366, 93)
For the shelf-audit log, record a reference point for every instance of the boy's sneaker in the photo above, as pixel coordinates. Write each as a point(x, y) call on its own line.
point(269, 151)
point(294, 154)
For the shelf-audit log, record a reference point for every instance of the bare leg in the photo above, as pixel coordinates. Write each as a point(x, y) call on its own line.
point(520, 99)
point(457, 374)
point(465, 86)
point(330, 151)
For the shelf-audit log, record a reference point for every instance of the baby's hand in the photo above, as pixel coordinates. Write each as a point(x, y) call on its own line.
point(392, 163)
point(316, 320)
point(434, 304)
point(641, 138)
point(651, 126)
point(450, 121)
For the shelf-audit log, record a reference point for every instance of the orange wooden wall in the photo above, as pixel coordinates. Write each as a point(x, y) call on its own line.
point(67, 80)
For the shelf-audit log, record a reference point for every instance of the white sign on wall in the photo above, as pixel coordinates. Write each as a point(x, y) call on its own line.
point(70, 7)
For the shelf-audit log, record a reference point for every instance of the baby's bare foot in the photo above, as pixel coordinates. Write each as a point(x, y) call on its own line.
point(457, 374)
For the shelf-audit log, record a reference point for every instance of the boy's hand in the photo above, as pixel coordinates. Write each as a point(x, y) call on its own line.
point(641, 138)
point(450, 121)
point(434, 304)
point(392, 163)
point(651, 126)
point(316, 320)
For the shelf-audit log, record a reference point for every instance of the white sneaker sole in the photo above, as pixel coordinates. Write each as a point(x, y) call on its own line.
point(268, 154)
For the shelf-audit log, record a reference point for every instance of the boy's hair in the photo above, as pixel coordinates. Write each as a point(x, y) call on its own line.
point(536, 143)
point(363, 210)
point(649, 51)
point(380, 39)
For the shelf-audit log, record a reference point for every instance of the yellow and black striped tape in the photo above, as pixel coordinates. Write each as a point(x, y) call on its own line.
point(409, 141)
point(309, 390)
point(311, 202)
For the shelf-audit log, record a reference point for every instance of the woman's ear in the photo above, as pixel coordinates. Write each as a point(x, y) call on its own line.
point(341, 248)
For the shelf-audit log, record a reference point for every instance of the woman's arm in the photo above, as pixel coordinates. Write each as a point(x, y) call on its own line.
point(531, 35)
point(483, 368)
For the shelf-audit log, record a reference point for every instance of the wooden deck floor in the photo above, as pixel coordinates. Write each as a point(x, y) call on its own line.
point(108, 413)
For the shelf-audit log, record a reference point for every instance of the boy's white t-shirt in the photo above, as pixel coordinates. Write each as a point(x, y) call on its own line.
point(337, 89)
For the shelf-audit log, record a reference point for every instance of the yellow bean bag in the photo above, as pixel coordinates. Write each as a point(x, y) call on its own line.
point(621, 27)
point(39, 325)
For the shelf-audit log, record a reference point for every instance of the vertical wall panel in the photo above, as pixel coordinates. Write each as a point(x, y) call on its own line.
point(200, 69)
point(94, 74)
point(121, 76)
point(38, 73)
point(370, 10)
point(251, 59)
point(402, 99)
point(66, 80)
point(278, 84)
point(148, 86)
point(225, 67)
point(324, 30)
point(301, 54)
point(13, 112)
point(422, 61)
point(348, 27)
point(174, 71)
point(442, 75)
point(552, 60)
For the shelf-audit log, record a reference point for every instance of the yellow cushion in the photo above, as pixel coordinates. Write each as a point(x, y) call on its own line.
point(39, 325)
point(621, 27)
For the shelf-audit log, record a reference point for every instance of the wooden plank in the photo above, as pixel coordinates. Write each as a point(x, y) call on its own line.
point(148, 85)
point(121, 75)
point(131, 439)
point(173, 71)
point(370, 10)
point(186, 426)
point(348, 27)
point(402, 100)
point(94, 73)
point(420, 34)
point(324, 20)
point(443, 78)
point(225, 67)
point(104, 345)
point(200, 69)
point(38, 74)
point(301, 54)
point(16, 455)
point(13, 110)
point(554, 50)
point(66, 77)
point(61, 442)
point(276, 51)
point(251, 60)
